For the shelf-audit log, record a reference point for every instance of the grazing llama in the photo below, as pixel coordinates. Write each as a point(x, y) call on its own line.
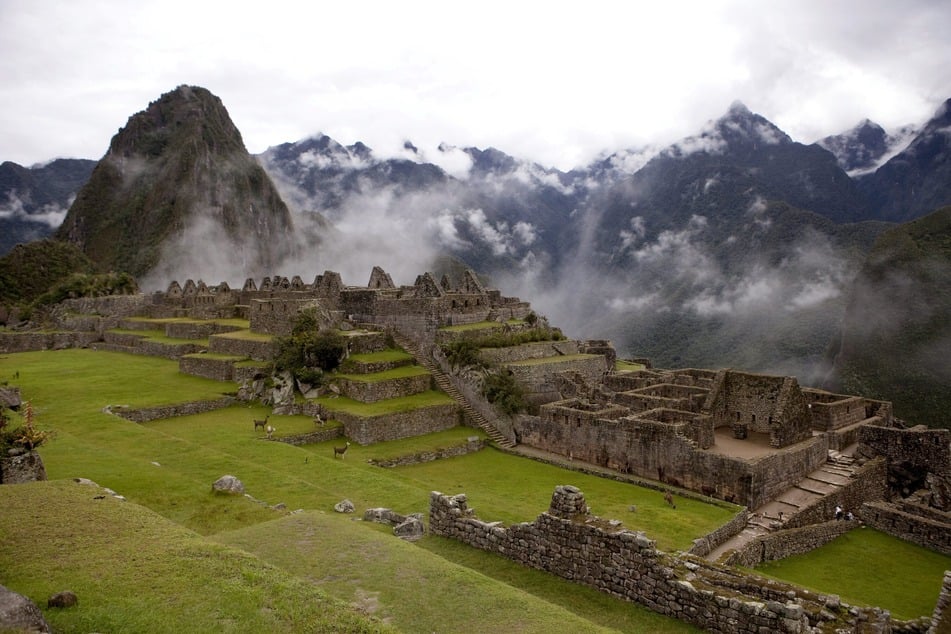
point(341, 451)
point(261, 423)
point(270, 431)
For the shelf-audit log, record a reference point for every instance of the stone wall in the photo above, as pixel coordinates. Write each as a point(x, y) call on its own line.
point(321, 435)
point(919, 447)
point(782, 544)
point(11, 342)
point(525, 351)
point(941, 618)
point(540, 379)
point(196, 330)
point(665, 452)
point(207, 367)
point(703, 546)
point(924, 531)
point(146, 414)
point(397, 425)
point(373, 391)
point(233, 346)
point(569, 542)
point(472, 445)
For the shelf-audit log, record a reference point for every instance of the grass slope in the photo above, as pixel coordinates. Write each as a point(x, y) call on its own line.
point(134, 571)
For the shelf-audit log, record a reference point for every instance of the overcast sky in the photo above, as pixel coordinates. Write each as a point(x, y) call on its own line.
point(556, 82)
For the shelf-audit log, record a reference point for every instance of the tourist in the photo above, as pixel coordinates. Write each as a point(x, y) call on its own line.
point(848, 516)
point(838, 512)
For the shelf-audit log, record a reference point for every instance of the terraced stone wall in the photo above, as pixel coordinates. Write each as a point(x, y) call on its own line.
point(232, 346)
point(11, 342)
point(924, 531)
point(394, 426)
point(373, 391)
point(867, 484)
point(209, 368)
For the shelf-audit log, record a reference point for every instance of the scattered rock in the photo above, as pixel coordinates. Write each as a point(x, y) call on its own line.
point(344, 506)
point(228, 484)
point(280, 506)
point(19, 614)
point(410, 530)
point(64, 599)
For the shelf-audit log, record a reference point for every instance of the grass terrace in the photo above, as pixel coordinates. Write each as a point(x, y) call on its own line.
point(401, 372)
point(389, 406)
point(867, 567)
point(176, 557)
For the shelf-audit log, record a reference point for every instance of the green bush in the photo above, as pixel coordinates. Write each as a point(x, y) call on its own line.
point(308, 353)
point(503, 391)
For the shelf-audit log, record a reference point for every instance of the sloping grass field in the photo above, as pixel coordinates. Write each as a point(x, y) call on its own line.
point(176, 557)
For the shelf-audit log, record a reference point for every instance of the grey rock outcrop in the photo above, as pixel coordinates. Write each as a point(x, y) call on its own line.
point(20, 467)
point(228, 484)
point(19, 614)
point(410, 530)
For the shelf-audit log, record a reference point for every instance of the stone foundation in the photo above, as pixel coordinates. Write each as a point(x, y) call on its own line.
point(473, 445)
point(146, 414)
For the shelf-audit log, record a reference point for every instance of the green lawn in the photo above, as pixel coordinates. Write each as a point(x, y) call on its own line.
point(401, 372)
point(154, 568)
point(168, 466)
point(866, 567)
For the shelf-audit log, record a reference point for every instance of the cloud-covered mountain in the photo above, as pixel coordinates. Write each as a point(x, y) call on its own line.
point(177, 194)
point(736, 246)
point(867, 146)
point(34, 200)
point(917, 180)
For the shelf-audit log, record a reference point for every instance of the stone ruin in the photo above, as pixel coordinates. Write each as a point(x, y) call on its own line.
point(742, 437)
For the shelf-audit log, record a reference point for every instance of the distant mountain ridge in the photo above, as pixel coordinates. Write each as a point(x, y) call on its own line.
point(737, 246)
point(34, 200)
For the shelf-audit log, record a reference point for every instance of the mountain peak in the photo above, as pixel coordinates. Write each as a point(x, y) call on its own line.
point(738, 109)
point(177, 165)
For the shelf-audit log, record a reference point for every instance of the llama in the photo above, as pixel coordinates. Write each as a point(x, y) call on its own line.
point(261, 423)
point(669, 499)
point(341, 451)
point(270, 431)
point(318, 421)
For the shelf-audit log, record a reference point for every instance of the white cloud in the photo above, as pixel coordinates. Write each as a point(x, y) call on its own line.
point(603, 77)
point(51, 214)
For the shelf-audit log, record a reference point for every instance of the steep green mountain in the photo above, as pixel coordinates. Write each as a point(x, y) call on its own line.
point(895, 341)
point(178, 194)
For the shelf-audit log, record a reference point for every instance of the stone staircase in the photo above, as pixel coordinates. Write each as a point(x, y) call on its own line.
point(827, 479)
point(446, 385)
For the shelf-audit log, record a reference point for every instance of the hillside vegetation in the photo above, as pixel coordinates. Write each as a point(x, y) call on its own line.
point(896, 337)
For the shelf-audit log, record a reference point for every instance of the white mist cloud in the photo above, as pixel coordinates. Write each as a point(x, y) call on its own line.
point(52, 214)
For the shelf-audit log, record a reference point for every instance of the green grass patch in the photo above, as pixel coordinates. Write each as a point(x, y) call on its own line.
point(246, 335)
point(134, 571)
point(509, 489)
point(383, 356)
point(236, 322)
point(480, 325)
point(554, 359)
point(867, 567)
point(159, 336)
point(216, 356)
point(388, 406)
point(627, 366)
point(402, 372)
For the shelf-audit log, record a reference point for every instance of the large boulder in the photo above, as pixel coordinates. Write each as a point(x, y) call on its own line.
point(19, 614)
point(21, 466)
point(228, 484)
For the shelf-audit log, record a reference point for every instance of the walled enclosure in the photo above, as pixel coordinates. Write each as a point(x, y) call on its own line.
point(569, 542)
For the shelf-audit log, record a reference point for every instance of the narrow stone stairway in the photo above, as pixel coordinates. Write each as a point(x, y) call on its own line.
point(827, 479)
point(446, 385)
